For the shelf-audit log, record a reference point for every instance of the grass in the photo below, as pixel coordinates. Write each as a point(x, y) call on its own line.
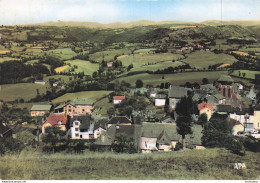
point(139, 60)
point(202, 59)
point(249, 74)
point(144, 50)
point(104, 105)
point(63, 54)
point(109, 54)
point(26, 91)
point(4, 59)
point(174, 79)
point(209, 164)
point(94, 95)
point(83, 66)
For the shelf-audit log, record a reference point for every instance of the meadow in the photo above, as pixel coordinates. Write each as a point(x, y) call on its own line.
point(202, 59)
point(109, 54)
point(174, 79)
point(208, 164)
point(82, 66)
point(140, 60)
point(249, 74)
point(26, 91)
point(94, 95)
point(4, 59)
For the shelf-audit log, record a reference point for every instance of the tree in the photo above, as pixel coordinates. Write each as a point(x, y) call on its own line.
point(123, 144)
point(183, 127)
point(203, 119)
point(25, 137)
point(205, 81)
point(139, 83)
point(52, 136)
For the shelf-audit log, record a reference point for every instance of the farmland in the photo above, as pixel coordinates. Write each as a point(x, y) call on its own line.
point(94, 95)
point(139, 60)
point(109, 54)
point(61, 69)
point(82, 66)
point(26, 91)
point(248, 74)
point(174, 79)
point(202, 59)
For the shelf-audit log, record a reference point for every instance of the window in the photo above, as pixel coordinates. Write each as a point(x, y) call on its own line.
point(258, 124)
point(69, 106)
point(83, 110)
point(229, 93)
point(76, 129)
point(76, 123)
point(69, 110)
point(224, 91)
point(77, 135)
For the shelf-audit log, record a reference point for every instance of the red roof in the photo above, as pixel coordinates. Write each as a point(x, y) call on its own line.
point(54, 119)
point(119, 97)
point(206, 105)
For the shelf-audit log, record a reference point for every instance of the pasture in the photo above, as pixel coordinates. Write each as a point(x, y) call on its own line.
point(249, 74)
point(94, 95)
point(103, 105)
point(208, 164)
point(174, 79)
point(202, 59)
point(109, 54)
point(62, 54)
point(4, 59)
point(140, 60)
point(26, 91)
point(82, 66)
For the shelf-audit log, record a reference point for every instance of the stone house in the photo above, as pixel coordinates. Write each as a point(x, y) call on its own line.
point(40, 110)
point(56, 120)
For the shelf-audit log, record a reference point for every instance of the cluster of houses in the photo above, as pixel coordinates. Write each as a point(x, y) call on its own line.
point(80, 120)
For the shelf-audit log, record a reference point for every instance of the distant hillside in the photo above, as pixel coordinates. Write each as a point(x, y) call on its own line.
point(143, 23)
point(232, 22)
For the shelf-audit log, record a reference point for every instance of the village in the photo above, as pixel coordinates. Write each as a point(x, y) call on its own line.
point(144, 130)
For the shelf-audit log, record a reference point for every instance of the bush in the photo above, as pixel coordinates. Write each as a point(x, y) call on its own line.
point(123, 144)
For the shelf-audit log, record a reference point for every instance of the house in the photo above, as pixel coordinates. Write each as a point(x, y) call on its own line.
point(225, 109)
point(40, 110)
point(41, 82)
point(215, 99)
point(209, 88)
point(116, 120)
point(257, 117)
point(160, 100)
point(238, 127)
point(5, 131)
point(110, 64)
point(141, 91)
point(85, 127)
point(175, 94)
point(244, 118)
point(225, 86)
point(55, 84)
point(151, 93)
point(76, 107)
point(118, 99)
point(199, 95)
point(164, 137)
point(56, 120)
point(207, 109)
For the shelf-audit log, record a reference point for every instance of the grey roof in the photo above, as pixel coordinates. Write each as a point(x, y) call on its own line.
point(85, 121)
point(178, 92)
point(164, 138)
point(107, 138)
point(218, 96)
point(160, 96)
point(225, 78)
point(41, 108)
point(225, 108)
point(119, 120)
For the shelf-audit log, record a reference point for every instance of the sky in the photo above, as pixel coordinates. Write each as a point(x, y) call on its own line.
point(15, 12)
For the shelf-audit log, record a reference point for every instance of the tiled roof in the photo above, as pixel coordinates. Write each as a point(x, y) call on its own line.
point(225, 108)
point(119, 120)
point(54, 119)
point(164, 138)
point(178, 92)
point(219, 96)
point(206, 105)
point(160, 96)
point(119, 97)
point(225, 78)
point(41, 108)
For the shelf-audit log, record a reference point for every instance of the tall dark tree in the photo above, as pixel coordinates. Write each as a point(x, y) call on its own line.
point(184, 127)
point(139, 83)
point(205, 81)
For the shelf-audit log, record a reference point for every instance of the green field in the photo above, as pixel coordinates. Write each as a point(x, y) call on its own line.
point(26, 91)
point(7, 59)
point(249, 74)
point(63, 54)
point(59, 77)
point(108, 55)
point(209, 164)
point(174, 79)
point(94, 95)
point(83, 66)
point(202, 59)
point(104, 105)
point(144, 50)
point(139, 60)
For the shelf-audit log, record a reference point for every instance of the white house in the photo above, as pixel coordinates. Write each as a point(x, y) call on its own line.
point(160, 100)
point(41, 82)
point(118, 99)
